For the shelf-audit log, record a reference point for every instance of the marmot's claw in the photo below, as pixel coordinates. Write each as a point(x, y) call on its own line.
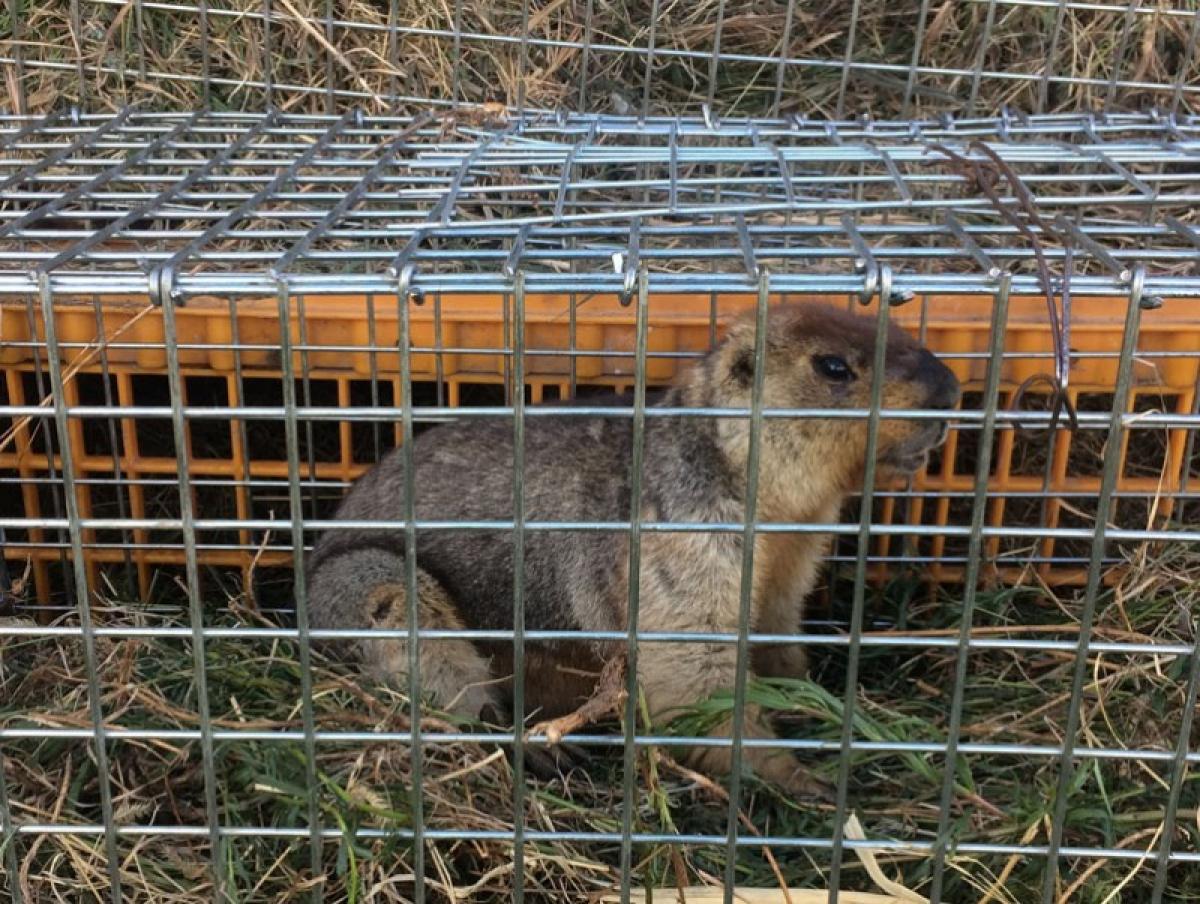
point(554, 761)
point(805, 785)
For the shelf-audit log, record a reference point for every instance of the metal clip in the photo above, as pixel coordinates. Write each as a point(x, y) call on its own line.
point(990, 267)
point(785, 173)
point(749, 258)
point(403, 266)
point(513, 262)
point(631, 262)
point(162, 284)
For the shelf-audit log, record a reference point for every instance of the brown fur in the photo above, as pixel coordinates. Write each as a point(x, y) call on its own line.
point(577, 469)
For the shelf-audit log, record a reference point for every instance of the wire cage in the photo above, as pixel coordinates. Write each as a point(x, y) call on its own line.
point(245, 249)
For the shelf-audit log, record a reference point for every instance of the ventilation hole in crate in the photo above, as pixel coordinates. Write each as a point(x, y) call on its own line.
point(936, 460)
point(210, 437)
point(370, 439)
point(264, 391)
point(118, 579)
point(551, 392)
point(1147, 448)
point(1190, 509)
point(605, 395)
point(168, 583)
point(51, 502)
point(1024, 510)
point(273, 589)
point(40, 428)
point(266, 441)
point(108, 501)
point(161, 499)
point(6, 421)
point(481, 395)
point(222, 583)
point(269, 501)
point(320, 440)
point(1076, 513)
point(60, 577)
point(154, 435)
point(424, 395)
point(969, 439)
point(1032, 446)
point(12, 505)
point(213, 499)
point(1192, 465)
point(1136, 511)
point(12, 559)
point(955, 546)
point(101, 436)
point(1086, 456)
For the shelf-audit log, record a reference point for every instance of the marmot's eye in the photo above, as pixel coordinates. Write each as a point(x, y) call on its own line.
point(833, 368)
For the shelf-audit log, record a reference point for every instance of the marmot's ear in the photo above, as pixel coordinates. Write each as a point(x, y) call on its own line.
point(742, 367)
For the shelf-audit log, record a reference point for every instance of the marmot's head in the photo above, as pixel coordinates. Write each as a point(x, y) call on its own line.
point(822, 357)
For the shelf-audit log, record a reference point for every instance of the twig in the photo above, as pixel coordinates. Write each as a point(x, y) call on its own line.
point(608, 696)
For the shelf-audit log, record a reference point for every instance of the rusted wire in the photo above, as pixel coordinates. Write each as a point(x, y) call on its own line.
point(1020, 211)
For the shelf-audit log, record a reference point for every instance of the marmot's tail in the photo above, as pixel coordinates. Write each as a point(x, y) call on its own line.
point(342, 577)
point(366, 587)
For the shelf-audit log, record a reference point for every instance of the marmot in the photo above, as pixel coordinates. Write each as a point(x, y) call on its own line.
point(578, 469)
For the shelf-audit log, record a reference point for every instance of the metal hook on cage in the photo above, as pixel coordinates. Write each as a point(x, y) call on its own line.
point(404, 281)
point(749, 256)
point(403, 268)
point(864, 261)
point(162, 284)
point(985, 177)
point(512, 263)
point(627, 264)
point(866, 264)
point(1060, 336)
point(1137, 290)
point(885, 288)
point(1060, 401)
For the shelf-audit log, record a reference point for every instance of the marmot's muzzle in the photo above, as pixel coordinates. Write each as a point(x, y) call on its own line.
point(938, 379)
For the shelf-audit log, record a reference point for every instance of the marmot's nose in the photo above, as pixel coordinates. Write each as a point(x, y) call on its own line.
point(940, 380)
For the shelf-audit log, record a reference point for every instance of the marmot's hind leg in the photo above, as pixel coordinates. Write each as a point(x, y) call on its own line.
point(453, 674)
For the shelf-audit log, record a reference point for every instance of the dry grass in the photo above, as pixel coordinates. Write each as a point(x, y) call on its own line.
point(156, 59)
point(1011, 696)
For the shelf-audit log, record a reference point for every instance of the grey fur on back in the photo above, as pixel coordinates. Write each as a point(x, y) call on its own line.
point(576, 470)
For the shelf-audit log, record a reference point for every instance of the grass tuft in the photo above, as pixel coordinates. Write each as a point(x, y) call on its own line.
point(1012, 696)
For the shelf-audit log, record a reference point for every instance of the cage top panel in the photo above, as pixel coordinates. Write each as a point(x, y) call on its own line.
point(227, 203)
point(829, 57)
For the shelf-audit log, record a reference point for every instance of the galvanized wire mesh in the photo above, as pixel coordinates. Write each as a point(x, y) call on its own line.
point(745, 57)
point(735, 187)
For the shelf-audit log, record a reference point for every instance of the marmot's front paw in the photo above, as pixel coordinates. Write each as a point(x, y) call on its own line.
point(782, 661)
point(803, 784)
point(554, 761)
point(795, 780)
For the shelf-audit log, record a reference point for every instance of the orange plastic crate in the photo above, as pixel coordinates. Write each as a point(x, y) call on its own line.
point(340, 363)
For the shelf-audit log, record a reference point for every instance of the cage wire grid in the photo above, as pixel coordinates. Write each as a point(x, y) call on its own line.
point(657, 57)
point(290, 210)
point(182, 207)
